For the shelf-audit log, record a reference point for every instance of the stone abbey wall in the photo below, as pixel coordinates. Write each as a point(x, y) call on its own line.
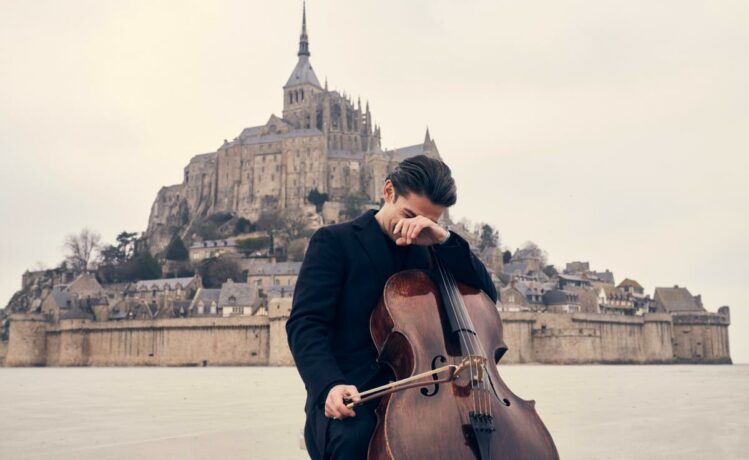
point(548, 338)
point(203, 341)
point(580, 338)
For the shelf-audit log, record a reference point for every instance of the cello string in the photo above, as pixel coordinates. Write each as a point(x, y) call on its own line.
point(478, 343)
point(463, 311)
point(466, 343)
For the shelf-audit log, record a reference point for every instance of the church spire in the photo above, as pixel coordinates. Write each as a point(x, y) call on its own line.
point(303, 41)
point(427, 138)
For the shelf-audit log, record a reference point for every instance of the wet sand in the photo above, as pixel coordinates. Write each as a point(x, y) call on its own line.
point(592, 412)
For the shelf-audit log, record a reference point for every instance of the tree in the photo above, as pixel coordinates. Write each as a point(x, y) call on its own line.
point(353, 204)
point(269, 221)
point(489, 238)
point(506, 257)
point(214, 272)
point(531, 250)
point(126, 244)
point(293, 224)
point(243, 226)
point(295, 250)
point(177, 250)
point(252, 245)
point(143, 267)
point(81, 249)
point(318, 199)
point(290, 224)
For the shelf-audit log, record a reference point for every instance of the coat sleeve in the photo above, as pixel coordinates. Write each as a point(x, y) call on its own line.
point(464, 265)
point(313, 311)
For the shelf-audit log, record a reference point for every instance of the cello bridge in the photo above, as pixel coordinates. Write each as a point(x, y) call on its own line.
point(475, 365)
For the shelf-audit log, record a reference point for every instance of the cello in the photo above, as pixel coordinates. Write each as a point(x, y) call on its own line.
point(439, 336)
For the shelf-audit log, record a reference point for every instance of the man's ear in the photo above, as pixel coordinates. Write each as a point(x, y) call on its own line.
point(388, 191)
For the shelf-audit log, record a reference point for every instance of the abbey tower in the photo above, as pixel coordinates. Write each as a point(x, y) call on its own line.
point(323, 140)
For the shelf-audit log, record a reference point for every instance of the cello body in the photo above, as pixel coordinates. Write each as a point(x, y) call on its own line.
point(410, 329)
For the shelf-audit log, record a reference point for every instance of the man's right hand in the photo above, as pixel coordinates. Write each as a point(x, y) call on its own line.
point(334, 405)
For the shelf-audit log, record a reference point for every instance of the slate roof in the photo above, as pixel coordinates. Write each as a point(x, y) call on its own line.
point(278, 268)
point(280, 291)
point(303, 73)
point(676, 299)
point(520, 267)
point(409, 151)
point(610, 290)
point(630, 282)
point(251, 136)
point(606, 276)
point(559, 297)
point(161, 284)
point(61, 297)
point(236, 294)
point(206, 295)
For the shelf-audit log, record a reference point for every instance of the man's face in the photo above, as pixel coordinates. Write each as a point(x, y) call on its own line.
point(411, 205)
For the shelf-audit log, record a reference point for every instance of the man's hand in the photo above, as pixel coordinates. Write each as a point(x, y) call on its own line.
point(334, 405)
point(419, 230)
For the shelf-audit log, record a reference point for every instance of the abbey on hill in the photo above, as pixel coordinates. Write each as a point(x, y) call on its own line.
point(323, 141)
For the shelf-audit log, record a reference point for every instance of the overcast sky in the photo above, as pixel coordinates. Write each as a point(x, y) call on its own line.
point(609, 131)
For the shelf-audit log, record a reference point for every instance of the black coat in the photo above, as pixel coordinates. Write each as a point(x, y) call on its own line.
point(340, 282)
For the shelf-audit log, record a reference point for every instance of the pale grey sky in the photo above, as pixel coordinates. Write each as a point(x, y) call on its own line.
point(608, 131)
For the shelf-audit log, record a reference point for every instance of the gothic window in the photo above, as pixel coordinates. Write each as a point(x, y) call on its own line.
point(336, 116)
point(302, 94)
point(291, 97)
point(319, 119)
point(307, 121)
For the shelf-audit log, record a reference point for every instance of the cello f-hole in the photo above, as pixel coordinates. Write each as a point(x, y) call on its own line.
point(425, 391)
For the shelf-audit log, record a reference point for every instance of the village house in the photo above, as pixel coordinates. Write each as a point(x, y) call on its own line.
point(78, 300)
point(262, 275)
point(164, 289)
point(205, 302)
point(614, 301)
point(561, 301)
point(632, 287)
point(582, 270)
point(512, 299)
point(201, 250)
point(572, 280)
point(676, 300)
point(236, 299)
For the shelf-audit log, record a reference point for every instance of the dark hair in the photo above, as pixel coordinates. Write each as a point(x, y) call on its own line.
point(425, 176)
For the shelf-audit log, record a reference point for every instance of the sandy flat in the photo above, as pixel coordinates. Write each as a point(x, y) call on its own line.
point(592, 412)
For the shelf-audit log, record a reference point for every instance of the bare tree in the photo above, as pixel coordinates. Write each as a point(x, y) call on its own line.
point(531, 249)
point(81, 249)
point(294, 224)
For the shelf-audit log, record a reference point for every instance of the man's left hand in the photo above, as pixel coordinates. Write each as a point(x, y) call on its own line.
point(418, 230)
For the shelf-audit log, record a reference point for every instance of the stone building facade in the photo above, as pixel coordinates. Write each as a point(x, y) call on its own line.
point(323, 140)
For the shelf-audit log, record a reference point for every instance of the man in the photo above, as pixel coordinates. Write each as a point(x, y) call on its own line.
point(340, 282)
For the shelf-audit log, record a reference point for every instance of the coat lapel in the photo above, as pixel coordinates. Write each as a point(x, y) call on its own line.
point(370, 236)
